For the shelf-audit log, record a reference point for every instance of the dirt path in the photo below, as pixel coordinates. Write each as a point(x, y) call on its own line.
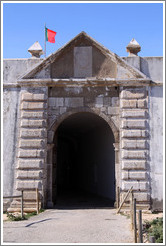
point(70, 226)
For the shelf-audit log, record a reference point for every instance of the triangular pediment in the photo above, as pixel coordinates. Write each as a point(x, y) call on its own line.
point(83, 57)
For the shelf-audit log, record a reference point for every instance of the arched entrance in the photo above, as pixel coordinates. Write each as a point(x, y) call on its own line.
point(83, 162)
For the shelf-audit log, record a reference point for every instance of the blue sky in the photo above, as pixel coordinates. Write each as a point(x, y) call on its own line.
point(111, 24)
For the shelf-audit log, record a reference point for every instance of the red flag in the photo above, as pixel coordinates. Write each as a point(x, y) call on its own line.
point(50, 35)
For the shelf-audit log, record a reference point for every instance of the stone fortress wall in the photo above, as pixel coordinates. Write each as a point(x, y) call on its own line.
point(32, 113)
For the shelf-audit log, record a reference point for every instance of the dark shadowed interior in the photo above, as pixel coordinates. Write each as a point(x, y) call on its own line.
point(85, 173)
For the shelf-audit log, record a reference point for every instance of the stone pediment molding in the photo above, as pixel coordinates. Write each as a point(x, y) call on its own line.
point(112, 67)
point(93, 82)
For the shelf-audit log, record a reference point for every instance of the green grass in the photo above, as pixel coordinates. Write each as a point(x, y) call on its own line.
point(155, 228)
point(25, 216)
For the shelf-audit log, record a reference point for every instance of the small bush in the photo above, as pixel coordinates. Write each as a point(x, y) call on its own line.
point(25, 216)
point(155, 228)
point(15, 218)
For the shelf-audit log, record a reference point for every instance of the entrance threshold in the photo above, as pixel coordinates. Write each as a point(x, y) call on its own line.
point(73, 199)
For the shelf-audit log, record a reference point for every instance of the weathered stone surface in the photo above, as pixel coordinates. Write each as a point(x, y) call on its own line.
point(133, 93)
point(63, 110)
point(31, 195)
point(82, 62)
point(35, 133)
point(30, 163)
point(35, 143)
point(74, 102)
point(113, 110)
point(134, 144)
point(56, 101)
point(128, 103)
point(134, 114)
point(115, 101)
point(27, 204)
point(142, 103)
point(140, 196)
point(103, 109)
point(33, 105)
point(33, 97)
point(134, 133)
point(99, 102)
point(133, 165)
point(137, 185)
point(29, 174)
point(139, 124)
point(33, 123)
point(28, 185)
point(31, 153)
point(134, 175)
point(107, 101)
point(32, 114)
point(128, 154)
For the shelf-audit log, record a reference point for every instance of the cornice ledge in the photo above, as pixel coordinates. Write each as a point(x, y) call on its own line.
point(74, 82)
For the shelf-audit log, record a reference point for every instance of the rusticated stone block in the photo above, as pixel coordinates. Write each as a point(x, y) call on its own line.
point(35, 143)
point(137, 185)
point(55, 101)
point(139, 124)
point(133, 93)
point(31, 195)
point(140, 196)
point(134, 165)
point(134, 133)
point(33, 97)
point(142, 103)
point(134, 114)
point(28, 133)
point(74, 102)
point(134, 175)
point(128, 103)
point(33, 123)
point(31, 153)
point(21, 185)
point(29, 174)
point(128, 154)
point(113, 110)
point(32, 114)
point(30, 164)
point(33, 105)
point(134, 144)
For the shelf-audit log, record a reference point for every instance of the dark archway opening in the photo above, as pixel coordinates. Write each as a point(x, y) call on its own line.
point(85, 162)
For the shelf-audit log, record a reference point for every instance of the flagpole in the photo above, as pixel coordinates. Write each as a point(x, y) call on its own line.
point(45, 40)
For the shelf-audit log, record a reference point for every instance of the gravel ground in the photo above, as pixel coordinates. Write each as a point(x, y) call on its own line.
point(70, 226)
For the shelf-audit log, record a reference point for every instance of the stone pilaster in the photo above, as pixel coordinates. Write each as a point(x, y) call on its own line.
point(32, 145)
point(134, 132)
